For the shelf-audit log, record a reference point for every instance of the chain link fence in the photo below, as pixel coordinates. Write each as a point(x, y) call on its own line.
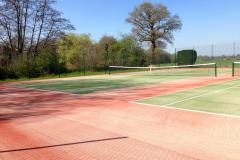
point(222, 54)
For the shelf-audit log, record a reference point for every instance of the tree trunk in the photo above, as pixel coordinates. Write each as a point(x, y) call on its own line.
point(41, 26)
point(153, 47)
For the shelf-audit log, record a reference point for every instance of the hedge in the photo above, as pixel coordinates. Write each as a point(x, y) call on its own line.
point(186, 57)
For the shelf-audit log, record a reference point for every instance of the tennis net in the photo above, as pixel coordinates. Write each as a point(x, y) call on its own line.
point(209, 69)
point(236, 69)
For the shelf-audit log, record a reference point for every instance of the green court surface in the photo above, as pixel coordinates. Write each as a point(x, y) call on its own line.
point(85, 86)
point(220, 98)
point(118, 81)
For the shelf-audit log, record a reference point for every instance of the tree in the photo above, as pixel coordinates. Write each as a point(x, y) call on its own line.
point(162, 56)
point(153, 23)
point(129, 51)
point(76, 51)
point(26, 26)
point(108, 57)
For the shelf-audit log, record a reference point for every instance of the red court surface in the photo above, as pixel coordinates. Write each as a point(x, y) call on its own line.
point(43, 125)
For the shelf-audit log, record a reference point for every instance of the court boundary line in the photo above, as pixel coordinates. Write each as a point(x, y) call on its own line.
point(183, 90)
point(158, 106)
point(168, 106)
point(187, 110)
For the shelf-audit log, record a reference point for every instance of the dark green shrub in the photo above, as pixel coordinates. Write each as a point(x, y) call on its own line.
point(12, 75)
point(18, 67)
point(3, 74)
point(186, 57)
point(161, 57)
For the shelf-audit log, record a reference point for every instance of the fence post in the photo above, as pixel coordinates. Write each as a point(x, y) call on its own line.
point(84, 66)
point(175, 56)
point(106, 58)
point(233, 69)
point(109, 70)
point(28, 67)
point(58, 66)
point(215, 69)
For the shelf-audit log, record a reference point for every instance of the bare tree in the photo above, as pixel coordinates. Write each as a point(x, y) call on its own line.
point(153, 23)
point(26, 26)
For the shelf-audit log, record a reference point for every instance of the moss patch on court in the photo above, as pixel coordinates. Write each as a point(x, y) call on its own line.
point(106, 83)
point(92, 85)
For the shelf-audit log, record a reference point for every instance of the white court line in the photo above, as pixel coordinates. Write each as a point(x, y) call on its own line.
point(183, 90)
point(188, 110)
point(201, 95)
point(168, 106)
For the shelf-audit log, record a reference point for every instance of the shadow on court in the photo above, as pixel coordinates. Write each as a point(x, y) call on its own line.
point(61, 145)
point(22, 103)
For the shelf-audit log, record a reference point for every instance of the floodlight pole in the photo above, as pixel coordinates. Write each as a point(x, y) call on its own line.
point(212, 48)
point(193, 55)
point(234, 50)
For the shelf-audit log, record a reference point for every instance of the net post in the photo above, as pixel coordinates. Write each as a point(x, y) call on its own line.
point(215, 68)
point(109, 70)
point(150, 69)
point(233, 69)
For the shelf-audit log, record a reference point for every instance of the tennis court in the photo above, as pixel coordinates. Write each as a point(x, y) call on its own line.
point(222, 98)
point(125, 77)
point(95, 117)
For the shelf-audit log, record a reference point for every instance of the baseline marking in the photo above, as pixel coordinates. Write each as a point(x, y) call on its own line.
point(187, 110)
point(167, 106)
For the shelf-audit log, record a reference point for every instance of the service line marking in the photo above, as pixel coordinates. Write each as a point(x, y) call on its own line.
point(183, 90)
point(201, 95)
point(168, 106)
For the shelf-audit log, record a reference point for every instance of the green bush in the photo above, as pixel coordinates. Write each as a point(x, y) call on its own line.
point(18, 67)
point(186, 57)
point(12, 74)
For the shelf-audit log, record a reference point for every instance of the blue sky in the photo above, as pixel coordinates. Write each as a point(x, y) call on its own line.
point(204, 21)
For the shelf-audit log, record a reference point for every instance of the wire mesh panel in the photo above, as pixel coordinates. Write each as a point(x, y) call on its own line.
point(222, 54)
